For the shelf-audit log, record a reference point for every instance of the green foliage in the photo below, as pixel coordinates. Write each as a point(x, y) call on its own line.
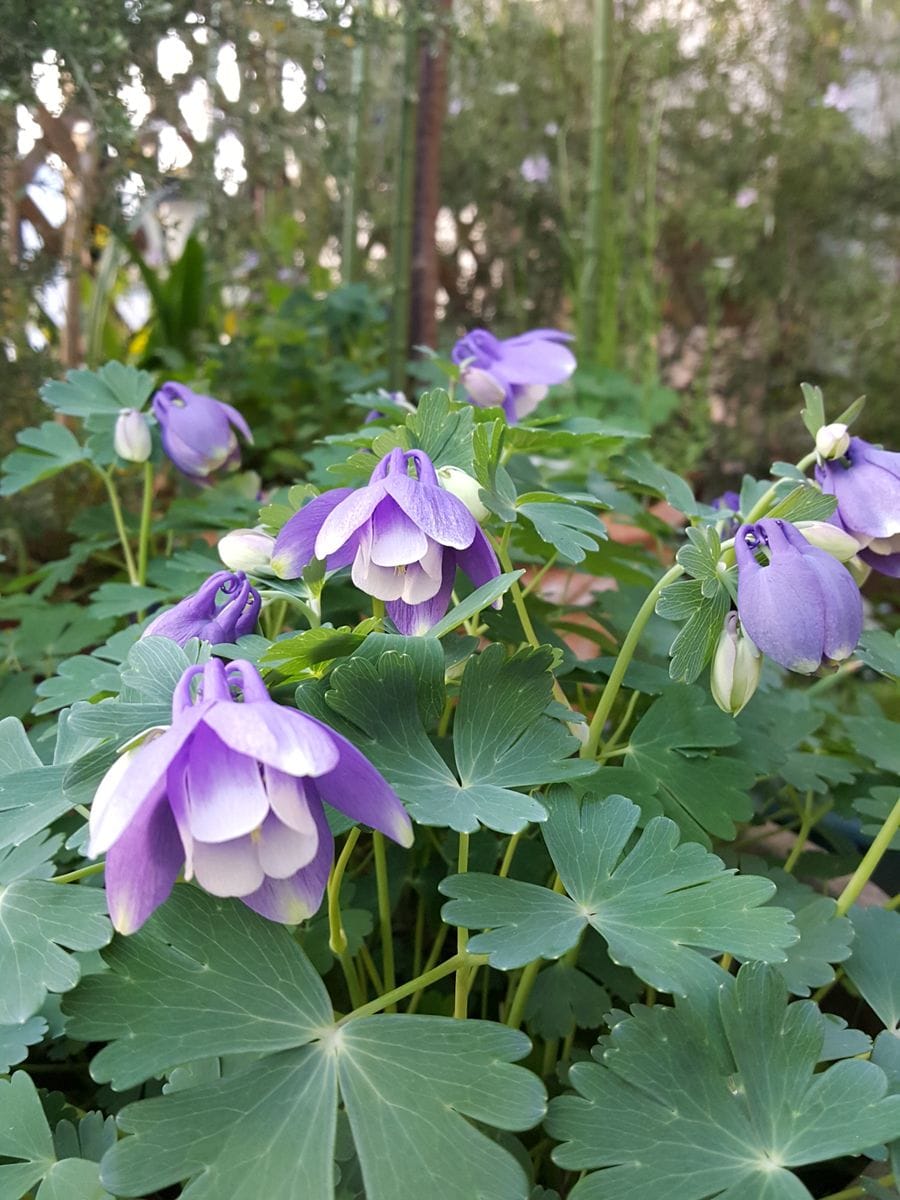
point(404, 1081)
point(728, 1088)
point(46, 451)
point(104, 392)
point(502, 740)
point(658, 905)
point(874, 964)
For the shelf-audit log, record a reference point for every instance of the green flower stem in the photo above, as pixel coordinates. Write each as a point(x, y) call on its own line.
point(610, 748)
point(871, 859)
point(377, 609)
point(354, 988)
point(508, 856)
point(81, 873)
point(764, 503)
point(389, 999)
point(146, 523)
point(384, 911)
point(803, 833)
point(522, 992)
point(114, 503)
point(337, 938)
point(540, 574)
point(368, 963)
point(857, 1192)
point(429, 966)
point(629, 645)
point(502, 548)
point(419, 935)
point(461, 985)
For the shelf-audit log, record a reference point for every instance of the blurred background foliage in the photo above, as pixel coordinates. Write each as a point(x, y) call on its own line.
point(242, 195)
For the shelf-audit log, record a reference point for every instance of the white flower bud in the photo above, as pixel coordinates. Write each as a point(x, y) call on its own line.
point(836, 542)
point(484, 390)
point(734, 675)
point(465, 488)
point(247, 550)
point(832, 441)
point(131, 439)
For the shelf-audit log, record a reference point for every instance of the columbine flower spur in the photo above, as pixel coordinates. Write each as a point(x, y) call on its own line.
point(232, 792)
point(202, 615)
point(403, 537)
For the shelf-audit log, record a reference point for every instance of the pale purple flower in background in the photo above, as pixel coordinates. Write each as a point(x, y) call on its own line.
point(746, 197)
point(836, 97)
point(197, 432)
point(802, 609)
point(518, 369)
point(866, 484)
point(535, 168)
point(402, 536)
point(224, 608)
point(730, 503)
point(232, 792)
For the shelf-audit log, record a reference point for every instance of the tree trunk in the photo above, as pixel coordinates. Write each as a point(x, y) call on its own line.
point(429, 128)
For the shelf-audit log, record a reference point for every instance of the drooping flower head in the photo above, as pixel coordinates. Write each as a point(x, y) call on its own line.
point(866, 484)
point(802, 608)
point(730, 504)
point(223, 609)
point(197, 432)
point(232, 792)
point(514, 372)
point(402, 535)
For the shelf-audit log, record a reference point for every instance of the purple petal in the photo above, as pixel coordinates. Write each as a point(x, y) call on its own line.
point(867, 490)
point(396, 540)
point(384, 583)
point(347, 517)
point(295, 544)
point(225, 794)
point(780, 605)
point(290, 901)
point(227, 868)
point(435, 511)
point(526, 399)
point(842, 610)
point(135, 777)
point(237, 420)
point(141, 868)
point(885, 564)
point(529, 360)
point(356, 789)
point(415, 620)
point(282, 851)
point(345, 556)
point(280, 737)
point(479, 562)
point(287, 798)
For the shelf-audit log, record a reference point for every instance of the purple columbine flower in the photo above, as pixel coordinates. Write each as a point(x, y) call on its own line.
point(197, 432)
point(866, 483)
point(802, 609)
point(224, 608)
point(403, 537)
point(515, 372)
point(232, 792)
point(730, 502)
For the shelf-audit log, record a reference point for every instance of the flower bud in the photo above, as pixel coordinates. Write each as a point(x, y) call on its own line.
point(132, 440)
point(832, 441)
point(736, 665)
point(483, 389)
point(858, 569)
point(836, 542)
point(465, 488)
point(247, 550)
